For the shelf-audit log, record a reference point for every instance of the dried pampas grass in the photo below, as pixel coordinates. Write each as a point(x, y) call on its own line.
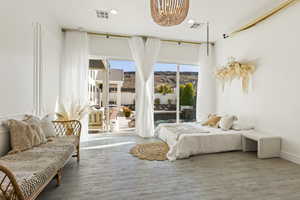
point(236, 70)
point(71, 111)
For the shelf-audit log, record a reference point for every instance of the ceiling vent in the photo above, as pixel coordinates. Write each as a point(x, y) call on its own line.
point(102, 14)
point(196, 25)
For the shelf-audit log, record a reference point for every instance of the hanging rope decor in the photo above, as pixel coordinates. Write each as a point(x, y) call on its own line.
point(169, 12)
point(235, 70)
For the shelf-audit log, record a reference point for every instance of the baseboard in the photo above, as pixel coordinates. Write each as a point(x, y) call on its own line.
point(290, 157)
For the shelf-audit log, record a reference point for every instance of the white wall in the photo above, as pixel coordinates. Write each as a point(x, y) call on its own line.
point(16, 55)
point(52, 44)
point(206, 90)
point(16, 60)
point(273, 104)
point(119, 48)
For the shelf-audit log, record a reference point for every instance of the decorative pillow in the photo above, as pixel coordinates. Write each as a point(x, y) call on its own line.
point(22, 135)
point(48, 126)
point(37, 126)
point(212, 121)
point(239, 126)
point(226, 122)
point(203, 118)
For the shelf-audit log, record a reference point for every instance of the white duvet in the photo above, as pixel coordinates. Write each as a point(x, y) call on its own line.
point(188, 139)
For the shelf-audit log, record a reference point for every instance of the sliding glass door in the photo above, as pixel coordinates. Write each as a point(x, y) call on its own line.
point(165, 93)
point(122, 95)
point(188, 78)
point(175, 93)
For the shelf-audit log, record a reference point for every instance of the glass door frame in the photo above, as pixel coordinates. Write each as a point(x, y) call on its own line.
point(178, 67)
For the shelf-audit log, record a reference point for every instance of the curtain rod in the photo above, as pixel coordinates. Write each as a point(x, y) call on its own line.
point(128, 36)
point(258, 20)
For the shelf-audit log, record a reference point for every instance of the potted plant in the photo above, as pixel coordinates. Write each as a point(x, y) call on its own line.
point(187, 96)
point(157, 101)
point(127, 112)
point(164, 89)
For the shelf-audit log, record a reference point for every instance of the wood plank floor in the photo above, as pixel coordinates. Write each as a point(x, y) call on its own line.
point(108, 172)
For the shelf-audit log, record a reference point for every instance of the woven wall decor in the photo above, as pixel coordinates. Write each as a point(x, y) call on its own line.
point(169, 12)
point(236, 70)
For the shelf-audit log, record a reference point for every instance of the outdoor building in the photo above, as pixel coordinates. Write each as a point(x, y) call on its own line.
point(116, 80)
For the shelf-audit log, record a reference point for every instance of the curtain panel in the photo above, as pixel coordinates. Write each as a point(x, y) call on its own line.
point(144, 53)
point(74, 72)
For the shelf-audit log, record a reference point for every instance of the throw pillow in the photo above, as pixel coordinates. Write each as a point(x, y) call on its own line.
point(226, 122)
point(212, 121)
point(37, 126)
point(203, 118)
point(240, 126)
point(21, 135)
point(48, 126)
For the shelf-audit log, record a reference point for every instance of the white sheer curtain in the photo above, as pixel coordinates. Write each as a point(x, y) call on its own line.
point(144, 53)
point(206, 92)
point(74, 72)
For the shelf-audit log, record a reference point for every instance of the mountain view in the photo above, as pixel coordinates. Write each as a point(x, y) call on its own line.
point(168, 77)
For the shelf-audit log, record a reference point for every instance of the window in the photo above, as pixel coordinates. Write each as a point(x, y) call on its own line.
point(175, 93)
point(188, 92)
point(122, 80)
point(122, 94)
point(165, 93)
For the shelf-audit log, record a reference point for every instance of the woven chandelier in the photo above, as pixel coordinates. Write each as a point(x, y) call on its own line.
point(169, 12)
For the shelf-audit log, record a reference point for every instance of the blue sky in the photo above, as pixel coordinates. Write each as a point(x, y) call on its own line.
point(129, 66)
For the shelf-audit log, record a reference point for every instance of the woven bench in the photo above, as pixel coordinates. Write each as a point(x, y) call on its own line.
point(24, 175)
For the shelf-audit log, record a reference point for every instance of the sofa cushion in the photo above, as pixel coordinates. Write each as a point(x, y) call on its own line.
point(34, 167)
point(48, 126)
point(36, 122)
point(22, 135)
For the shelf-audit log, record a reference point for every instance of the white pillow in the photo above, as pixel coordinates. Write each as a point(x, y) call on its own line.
point(202, 118)
point(240, 126)
point(226, 122)
point(47, 126)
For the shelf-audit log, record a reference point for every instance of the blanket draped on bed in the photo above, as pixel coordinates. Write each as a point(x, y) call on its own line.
point(188, 139)
point(179, 129)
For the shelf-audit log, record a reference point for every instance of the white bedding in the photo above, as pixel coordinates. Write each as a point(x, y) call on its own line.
point(199, 140)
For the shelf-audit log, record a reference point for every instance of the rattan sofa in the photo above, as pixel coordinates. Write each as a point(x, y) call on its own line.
point(24, 175)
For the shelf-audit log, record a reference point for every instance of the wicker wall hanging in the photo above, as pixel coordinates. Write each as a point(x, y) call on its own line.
point(236, 70)
point(169, 12)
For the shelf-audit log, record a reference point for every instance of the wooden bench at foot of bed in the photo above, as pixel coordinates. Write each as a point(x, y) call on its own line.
point(267, 146)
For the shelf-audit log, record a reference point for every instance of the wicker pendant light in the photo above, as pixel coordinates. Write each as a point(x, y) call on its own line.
point(169, 12)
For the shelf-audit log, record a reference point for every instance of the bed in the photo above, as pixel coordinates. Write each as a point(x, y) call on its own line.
point(187, 139)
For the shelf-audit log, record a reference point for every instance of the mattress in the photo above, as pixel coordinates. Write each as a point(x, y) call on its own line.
point(201, 140)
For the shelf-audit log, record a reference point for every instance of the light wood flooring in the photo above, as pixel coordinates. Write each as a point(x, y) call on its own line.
point(108, 172)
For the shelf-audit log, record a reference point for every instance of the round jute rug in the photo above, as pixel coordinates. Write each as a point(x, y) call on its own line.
point(151, 151)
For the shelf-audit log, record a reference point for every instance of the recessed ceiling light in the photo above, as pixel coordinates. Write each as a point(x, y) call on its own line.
point(113, 11)
point(191, 21)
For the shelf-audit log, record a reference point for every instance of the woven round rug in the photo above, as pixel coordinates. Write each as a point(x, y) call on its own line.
point(151, 151)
